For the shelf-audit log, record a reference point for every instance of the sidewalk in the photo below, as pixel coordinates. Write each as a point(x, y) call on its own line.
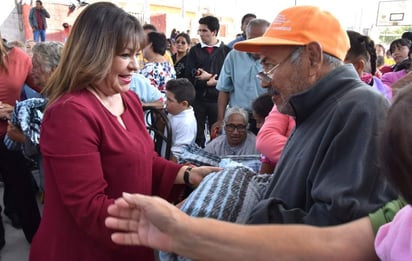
point(16, 248)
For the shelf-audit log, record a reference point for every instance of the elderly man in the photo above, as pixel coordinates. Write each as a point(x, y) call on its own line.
point(237, 84)
point(328, 172)
point(237, 140)
point(335, 175)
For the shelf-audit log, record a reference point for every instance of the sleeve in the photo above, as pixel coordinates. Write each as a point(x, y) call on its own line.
point(70, 149)
point(349, 164)
point(225, 80)
point(182, 136)
point(142, 87)
point(386, 213)
point(272, 137)
point(390, 78)
point(191, 66)
point(31, 17)
point(164, 176)
point(46, 13)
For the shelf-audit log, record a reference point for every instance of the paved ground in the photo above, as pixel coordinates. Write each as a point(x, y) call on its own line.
point(16, 248)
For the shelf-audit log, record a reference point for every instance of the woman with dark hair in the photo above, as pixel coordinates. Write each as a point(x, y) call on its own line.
point(362, 54)
point(399, 50)
point(94, 141)
point(179, 58)
point(401, 76)
point(157, 69)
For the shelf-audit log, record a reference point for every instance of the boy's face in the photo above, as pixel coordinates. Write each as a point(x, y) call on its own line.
point(172, 105)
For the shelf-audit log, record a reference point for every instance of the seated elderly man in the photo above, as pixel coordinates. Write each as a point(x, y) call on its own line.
point(237, 140)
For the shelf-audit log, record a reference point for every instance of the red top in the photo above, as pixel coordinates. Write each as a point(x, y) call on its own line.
point(11, 83)
point(89, 160)
point(39, 17)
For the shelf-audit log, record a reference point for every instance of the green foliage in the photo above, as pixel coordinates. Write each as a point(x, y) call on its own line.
point(391, 33)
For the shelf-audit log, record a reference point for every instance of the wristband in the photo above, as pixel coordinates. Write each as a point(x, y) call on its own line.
point(186, 176)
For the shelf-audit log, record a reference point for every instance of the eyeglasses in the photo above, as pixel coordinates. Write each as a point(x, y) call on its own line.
point(266, 76)
point(233, 127)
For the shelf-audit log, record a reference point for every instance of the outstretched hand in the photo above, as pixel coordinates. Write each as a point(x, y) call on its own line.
point(146, 221)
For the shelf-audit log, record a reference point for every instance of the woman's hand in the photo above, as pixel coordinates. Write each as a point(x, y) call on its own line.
point(195, 174)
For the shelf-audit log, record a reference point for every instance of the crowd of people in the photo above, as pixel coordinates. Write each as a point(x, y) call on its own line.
point(321, 112)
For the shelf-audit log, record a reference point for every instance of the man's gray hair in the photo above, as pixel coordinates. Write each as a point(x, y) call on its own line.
point(329, 59)
point(257, 22)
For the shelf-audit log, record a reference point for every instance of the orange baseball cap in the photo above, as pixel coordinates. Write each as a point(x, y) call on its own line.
point(300, 25)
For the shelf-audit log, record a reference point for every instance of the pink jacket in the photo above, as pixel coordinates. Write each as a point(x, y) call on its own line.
point(392, 77)
point(274, 133)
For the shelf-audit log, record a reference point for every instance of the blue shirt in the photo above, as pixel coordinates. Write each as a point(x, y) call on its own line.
point(238, 39)
point(238, 77)
point(142, 87)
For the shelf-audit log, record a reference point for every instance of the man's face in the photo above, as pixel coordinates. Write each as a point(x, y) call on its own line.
point(206, 36)
point(38, 5)
point(287, 78)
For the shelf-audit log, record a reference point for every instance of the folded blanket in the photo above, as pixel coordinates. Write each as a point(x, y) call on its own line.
point(193, 154)
point(228, 195)
point(27, 115)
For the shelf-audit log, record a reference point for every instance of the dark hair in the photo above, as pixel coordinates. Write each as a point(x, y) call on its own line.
point(399, 43)
point(405, 64)
point(100, 32)
point(362, 46)
point(407, 35)
point(396, 143)
point(182, 89)
point(262, 105)
point(246, 16)
point(40, 2)
point(158, 41)
point(186, 36)
point(150, 27)
point(211, 22)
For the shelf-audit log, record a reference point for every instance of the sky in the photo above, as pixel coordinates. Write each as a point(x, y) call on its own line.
point(357, 15)
point(351, 13)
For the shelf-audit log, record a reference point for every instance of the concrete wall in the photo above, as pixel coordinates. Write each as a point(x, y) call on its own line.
point(11, 26)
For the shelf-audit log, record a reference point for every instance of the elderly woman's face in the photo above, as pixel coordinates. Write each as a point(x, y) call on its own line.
point(236, 129)
point(41, 72)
